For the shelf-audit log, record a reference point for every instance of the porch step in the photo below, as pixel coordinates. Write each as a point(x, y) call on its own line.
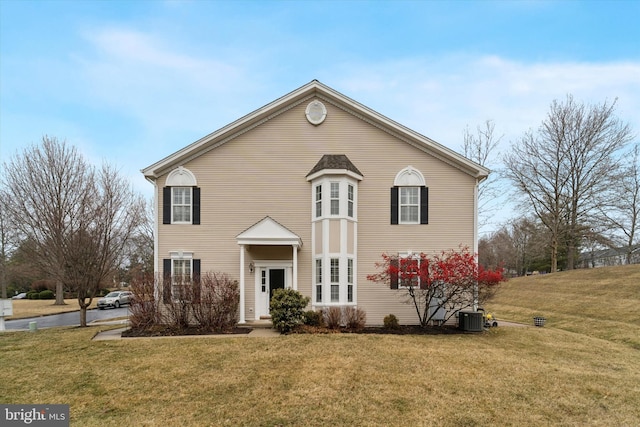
point(258, 324)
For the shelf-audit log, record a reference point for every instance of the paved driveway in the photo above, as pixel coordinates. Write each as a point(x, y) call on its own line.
point(66, 319)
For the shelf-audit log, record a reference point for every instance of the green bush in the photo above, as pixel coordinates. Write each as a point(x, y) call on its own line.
point(391, 322)
point(313, 318)
point(287, 309)
point(33, 295)
point(46, 294)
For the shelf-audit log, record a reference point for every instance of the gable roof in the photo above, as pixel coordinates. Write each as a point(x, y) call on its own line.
point(268, 231)
point(290, 100)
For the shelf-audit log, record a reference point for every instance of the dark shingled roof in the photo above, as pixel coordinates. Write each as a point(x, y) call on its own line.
point(334, 161)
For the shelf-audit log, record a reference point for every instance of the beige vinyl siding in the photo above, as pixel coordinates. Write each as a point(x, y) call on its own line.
point(263, 172)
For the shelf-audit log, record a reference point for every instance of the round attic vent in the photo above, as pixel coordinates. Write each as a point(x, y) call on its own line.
point(316, 112)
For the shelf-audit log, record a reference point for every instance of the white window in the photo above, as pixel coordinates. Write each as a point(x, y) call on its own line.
point(349, 279)
point(181, 204)
point(319, 280)
point(318, 201)
point(350, 200)
point(409, 265)
point(409, 205)
point(335, 198)
point(335, 280)
point(181, 279)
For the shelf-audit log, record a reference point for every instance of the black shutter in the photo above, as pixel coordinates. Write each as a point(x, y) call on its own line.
point(424, 205)
point(394, 205)
point(196, 206)
point(394, 264)
point(196, 280)
point(166, 283)
point(166, 205)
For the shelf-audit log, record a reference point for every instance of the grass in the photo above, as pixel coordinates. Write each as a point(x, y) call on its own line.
point(602, 302)
point(23, 308)
point(506, 376)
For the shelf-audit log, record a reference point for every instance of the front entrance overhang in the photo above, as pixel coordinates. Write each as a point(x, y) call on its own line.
point(266, 232)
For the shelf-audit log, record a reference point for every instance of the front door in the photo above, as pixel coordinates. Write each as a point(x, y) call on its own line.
point(272, 278)
point(276, 280)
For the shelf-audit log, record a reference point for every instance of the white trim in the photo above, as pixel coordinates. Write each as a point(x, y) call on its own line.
point(260, 265)
point(412, 255)
point(181, 177)
point(336, 172)
point(267, 231)
point(325, 182)
point(475, 241)
point(312, 114)
point(156, 244)
point(190, 189)
point(409, 205)
point(242, 280)
point(409, 177)
point(180, 255)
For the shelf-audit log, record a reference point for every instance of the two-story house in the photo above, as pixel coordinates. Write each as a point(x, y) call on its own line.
point(307, 192)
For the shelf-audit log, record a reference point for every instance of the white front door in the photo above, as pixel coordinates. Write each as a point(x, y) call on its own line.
point(269, 278)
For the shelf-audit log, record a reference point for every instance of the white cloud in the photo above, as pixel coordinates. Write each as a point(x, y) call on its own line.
point(143, 76)
point(176, 97)
point(439, 97)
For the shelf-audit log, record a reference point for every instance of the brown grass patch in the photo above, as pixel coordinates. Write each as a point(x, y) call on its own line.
point(507, 376)
point(601, 302)
point(567, 373)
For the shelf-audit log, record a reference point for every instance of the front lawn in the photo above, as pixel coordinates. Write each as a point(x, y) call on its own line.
point(507, 376)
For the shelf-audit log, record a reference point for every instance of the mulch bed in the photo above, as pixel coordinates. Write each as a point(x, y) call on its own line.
point(171, 332)
point(401, 330)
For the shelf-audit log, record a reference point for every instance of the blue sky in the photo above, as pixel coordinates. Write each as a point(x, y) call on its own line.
point(130, 82)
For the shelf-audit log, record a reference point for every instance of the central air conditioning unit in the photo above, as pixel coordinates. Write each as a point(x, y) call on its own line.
point(470, 321)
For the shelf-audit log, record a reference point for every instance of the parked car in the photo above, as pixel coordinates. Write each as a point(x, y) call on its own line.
point(115, 299)
point(21, 295)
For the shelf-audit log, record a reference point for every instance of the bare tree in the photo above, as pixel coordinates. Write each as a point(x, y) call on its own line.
point(621, 209)
point(481, 148)
point(561, 169)
point(96, 249)
point(7, 244)
point(76, 219)
point(46, 188)
point(537, 170)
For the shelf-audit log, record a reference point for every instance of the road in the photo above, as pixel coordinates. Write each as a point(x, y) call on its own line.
point(66, 319)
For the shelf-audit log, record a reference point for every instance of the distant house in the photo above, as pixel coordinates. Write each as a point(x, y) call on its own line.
point(307, 192)
point(609, 257)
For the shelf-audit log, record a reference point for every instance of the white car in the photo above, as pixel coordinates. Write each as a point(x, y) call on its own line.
point(115, 299)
